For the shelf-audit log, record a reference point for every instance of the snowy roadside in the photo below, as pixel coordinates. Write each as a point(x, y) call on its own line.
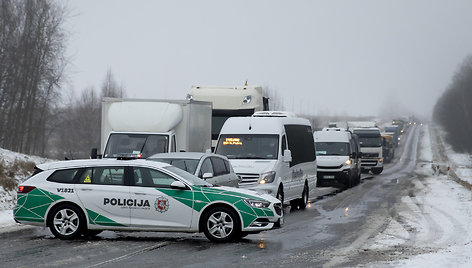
point(8, 197)
point(434, 226)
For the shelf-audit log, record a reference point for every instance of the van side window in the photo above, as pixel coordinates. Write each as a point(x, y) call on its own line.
point(284, 144)
point(300, 143)
point(174, 149)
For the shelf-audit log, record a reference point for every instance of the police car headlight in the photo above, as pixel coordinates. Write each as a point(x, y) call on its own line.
point(381, 160)
point(257, 203)
point(347, 162)
point(267, 177)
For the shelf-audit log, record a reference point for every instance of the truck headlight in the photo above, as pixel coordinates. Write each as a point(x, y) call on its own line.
point(257, 203)
point(267, 177)
point(189, 97)
point(381, 159)
point(347, 162)
point(247, 99)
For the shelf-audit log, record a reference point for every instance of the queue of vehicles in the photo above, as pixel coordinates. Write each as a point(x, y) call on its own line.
point(274, 158)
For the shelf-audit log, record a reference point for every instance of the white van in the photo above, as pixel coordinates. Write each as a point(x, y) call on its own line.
point(338, 158)
point(273, 152)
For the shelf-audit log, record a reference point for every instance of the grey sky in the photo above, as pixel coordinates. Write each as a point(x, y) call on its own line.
point(323, 57)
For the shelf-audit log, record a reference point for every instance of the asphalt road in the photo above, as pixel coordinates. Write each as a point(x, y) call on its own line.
point(331, 232)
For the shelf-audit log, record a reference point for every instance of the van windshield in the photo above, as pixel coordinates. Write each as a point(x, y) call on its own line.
point(332, 148)
point(248, 146)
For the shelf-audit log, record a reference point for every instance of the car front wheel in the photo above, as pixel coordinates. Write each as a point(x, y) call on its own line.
point(221, 224)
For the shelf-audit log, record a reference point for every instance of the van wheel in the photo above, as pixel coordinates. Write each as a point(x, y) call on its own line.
point(303, 202)
point(221, 224)
point(66, 222)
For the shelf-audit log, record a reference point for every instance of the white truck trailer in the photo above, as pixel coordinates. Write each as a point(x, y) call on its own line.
point(143, 127)
point(229, 102)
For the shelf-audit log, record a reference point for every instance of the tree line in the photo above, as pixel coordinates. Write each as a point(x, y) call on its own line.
point(35, 118)
point(453, 110)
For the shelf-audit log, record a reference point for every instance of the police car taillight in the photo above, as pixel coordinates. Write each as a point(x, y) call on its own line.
point(24, 189)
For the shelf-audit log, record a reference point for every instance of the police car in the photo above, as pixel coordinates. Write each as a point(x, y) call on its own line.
point(85, 197)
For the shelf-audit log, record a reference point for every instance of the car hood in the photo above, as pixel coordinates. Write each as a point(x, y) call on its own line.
point(252, 166)
point(331, 160)
point(249, 193)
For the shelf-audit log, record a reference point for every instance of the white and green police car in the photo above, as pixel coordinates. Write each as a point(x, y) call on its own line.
point(85, 197)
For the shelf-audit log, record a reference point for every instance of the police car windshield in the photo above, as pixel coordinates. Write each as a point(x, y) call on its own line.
point(188, 177)
point(248, 146)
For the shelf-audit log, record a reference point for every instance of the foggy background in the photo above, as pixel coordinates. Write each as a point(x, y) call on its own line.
point(322, 57)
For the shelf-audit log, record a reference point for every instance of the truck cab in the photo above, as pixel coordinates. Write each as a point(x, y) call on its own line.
point(229, 102)
point(370, 142)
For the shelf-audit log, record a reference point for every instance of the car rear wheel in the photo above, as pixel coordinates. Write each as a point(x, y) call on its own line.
point(66, 222)
point(221, 224)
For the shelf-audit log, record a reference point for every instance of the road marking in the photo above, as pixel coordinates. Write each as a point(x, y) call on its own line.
point(117, 259)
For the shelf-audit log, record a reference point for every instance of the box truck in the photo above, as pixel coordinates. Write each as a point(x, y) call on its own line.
point(143, 127)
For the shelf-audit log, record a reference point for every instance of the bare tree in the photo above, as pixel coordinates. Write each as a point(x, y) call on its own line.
point(32, 64)
point(110, 87)
point(453, 110)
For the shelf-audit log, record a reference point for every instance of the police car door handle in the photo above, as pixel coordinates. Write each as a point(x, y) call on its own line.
point(140, 193)
point(86, 189)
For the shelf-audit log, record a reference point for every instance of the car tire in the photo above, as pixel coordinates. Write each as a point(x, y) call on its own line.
point(280, 196)
point(66, 221)
point(303, 202)
point(221, 224)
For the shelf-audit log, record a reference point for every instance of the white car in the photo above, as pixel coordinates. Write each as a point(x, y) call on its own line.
point(213, 168)
point(87, 196)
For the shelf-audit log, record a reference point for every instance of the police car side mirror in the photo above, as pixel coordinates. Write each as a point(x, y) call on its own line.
point(207, 175)
point(287, 156)
point(178, 185)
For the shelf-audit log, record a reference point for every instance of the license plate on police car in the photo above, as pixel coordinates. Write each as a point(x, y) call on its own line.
point(328, 177)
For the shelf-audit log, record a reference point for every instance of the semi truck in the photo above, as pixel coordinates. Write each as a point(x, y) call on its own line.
point(229, 102)
point(143, 127)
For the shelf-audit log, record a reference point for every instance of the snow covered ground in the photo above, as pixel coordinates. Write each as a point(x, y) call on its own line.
point(435, 224)
point(8, 198)
point(433, 227)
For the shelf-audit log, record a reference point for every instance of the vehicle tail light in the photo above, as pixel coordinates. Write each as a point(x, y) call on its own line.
point(24, 189)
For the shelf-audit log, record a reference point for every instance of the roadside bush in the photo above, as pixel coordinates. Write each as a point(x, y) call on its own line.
point(9, 173)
